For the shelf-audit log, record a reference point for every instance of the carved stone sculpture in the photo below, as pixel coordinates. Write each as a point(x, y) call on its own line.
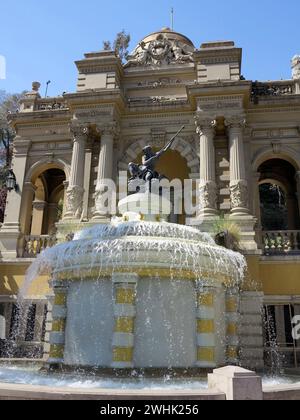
point(296, 67)
point(161, 51)
point(239, 195)
point(208, 195)
point(74, 201)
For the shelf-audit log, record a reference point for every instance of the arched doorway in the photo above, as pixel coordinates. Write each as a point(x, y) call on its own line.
point(175, 168)
point(279, 207)
point(46, 210)
point(48, 202)
point(278, 196)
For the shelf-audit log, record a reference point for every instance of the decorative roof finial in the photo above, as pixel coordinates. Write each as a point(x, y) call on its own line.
point(172, 18)
point(36, 86)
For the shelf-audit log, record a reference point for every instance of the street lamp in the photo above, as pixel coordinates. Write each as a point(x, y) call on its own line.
point(11, 181)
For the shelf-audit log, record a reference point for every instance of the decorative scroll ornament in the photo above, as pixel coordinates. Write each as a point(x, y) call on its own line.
point(208, 195)
point(205, 125)
point(236, 122)
point(74, 201)
point(161, 51)
point(79, 130)
point(239, 195)
point(112, 129)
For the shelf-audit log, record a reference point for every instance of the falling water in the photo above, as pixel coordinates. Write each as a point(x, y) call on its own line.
point(133, 244)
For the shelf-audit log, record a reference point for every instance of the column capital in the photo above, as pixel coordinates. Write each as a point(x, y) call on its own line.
point(79, 130)
point(108, 129)
point(39, 205)
point(297, 176)
point(205, 124)
point(235, 122)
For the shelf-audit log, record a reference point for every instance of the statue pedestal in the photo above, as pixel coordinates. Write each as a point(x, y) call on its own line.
point(149, 207)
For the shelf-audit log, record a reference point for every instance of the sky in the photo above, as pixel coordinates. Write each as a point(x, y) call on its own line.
point(40, 40)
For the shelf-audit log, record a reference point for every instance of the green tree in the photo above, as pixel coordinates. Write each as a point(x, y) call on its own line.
point(9, 103)
point(120, 45)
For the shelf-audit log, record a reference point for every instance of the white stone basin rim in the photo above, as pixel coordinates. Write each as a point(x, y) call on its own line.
point(143, 246)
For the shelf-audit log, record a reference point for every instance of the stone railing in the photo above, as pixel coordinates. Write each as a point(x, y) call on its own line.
point(272, 89)
point(51, 104)
point(281, 242)
point(34, 245)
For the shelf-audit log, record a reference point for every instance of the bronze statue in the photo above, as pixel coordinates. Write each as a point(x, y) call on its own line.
point(147, 171)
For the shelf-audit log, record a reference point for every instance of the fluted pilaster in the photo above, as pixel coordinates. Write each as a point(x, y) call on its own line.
point(105, 169)
point(238, 181)
point(208, 188)
point(74, 194)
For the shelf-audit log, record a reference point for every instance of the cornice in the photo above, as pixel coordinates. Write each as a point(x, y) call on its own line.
point(96, 97)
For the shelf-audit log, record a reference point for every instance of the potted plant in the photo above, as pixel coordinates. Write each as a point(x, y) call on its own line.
point(227, 234)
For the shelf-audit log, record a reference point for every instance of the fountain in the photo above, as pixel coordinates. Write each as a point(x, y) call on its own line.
point(138, 293)
point(141, 293)
point(136, 297)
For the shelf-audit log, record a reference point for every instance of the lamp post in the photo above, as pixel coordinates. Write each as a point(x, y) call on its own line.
point(10, 178)
point(10, 181)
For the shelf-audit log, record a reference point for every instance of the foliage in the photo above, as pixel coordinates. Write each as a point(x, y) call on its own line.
point(120, 45)
point(8, 104)
point(227, 233)
point(60, 210)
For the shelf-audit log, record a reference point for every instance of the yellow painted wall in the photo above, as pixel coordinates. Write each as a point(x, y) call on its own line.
point(280, 278)
point(12, 278)
point(173, 166)
point(273, 277)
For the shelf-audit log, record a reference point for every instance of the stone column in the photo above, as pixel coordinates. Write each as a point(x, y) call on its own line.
point(105, 170)
point(232, 326)
point(52, 217)
point(256, 208)
point(10, 230)
point(238, 179)
point(208, 187)
point(298, 189)
point(125, 312)
point(38, 210)
point(26, 214)
point(206, 340)
point(59, 316)
point(74, 194)
point(87, 181)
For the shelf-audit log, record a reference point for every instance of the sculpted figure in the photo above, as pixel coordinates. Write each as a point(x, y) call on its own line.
point(180, 54)
point(147, 171)
point(140, 58)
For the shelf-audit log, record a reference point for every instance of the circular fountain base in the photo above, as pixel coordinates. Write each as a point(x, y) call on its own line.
point(138, 294)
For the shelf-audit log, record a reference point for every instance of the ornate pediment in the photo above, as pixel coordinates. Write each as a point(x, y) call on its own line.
point(165, 48)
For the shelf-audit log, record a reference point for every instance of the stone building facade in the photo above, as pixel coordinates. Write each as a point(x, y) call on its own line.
point(239, 136)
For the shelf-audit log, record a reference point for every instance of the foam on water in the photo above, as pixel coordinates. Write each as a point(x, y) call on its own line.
point(23, 376)
point(135, 244)
point(31, 376)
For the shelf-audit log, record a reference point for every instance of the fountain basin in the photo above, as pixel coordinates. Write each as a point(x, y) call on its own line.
point(135, 293)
